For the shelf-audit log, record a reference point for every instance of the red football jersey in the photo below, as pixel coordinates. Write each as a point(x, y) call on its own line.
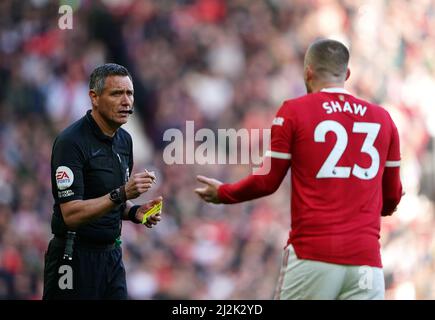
point(340, 149)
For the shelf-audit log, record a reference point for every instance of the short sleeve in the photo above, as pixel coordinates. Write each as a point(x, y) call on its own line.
point(67, 164)
point(281, 135)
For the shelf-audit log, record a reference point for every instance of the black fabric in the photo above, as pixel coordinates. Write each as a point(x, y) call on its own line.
point(132, 214)
point(98, 272)
point(98, 164)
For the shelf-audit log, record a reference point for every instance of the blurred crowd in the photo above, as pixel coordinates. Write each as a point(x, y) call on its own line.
point(222, 64)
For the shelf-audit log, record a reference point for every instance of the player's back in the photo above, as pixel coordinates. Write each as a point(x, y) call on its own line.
point(339, 148)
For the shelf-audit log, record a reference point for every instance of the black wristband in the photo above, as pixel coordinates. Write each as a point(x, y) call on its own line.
point(132, 214)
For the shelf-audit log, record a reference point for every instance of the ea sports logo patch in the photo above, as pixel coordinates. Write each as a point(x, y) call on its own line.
point(64, 177)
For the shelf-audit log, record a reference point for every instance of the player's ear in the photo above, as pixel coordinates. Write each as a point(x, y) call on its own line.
point(309, 73)
point(347, 74)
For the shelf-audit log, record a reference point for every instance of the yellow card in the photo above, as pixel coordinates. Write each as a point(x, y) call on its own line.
point(153, 210)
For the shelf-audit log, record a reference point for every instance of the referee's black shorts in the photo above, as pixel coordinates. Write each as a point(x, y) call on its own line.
point(95, 272)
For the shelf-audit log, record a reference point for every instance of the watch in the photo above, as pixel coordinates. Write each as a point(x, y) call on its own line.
point(118, 195)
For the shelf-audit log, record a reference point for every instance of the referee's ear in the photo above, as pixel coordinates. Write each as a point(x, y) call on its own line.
point(94, 97)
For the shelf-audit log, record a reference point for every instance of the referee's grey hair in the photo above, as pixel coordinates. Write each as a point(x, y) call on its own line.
point(98, 76)
point(328, 58)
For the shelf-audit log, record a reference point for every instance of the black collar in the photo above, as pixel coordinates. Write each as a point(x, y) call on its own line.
point(97, 130)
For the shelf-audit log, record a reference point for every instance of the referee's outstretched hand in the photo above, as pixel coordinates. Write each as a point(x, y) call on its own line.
point(209, 193)
point(139, 183)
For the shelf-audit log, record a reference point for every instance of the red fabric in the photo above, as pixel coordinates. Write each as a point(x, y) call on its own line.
point(45, 44)
point(333, 219)
point(12, 261)
point(255, 186)
point(210, 10)
point(391, 190)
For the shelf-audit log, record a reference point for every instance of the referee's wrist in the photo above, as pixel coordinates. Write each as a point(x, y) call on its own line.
point(118, 196)
point(132, 214)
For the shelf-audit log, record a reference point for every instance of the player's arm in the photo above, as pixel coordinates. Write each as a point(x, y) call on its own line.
point(266, 180)
point(391, 184)
point(256, 185)
point(251, 187)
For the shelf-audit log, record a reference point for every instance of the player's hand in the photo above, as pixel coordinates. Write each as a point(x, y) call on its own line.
point(386, 213)
point(139, 183)
point(152, 220)
point(209, 193)
point(389, 213)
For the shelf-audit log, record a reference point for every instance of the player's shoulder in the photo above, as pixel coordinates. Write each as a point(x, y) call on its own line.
point(377, 110)
point(297, 101)
point(381, 110)
point(290, 106)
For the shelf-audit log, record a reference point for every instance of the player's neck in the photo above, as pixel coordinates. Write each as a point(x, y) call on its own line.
point(105, 127)
point(316, 87)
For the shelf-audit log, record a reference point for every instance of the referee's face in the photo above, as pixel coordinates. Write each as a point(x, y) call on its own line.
point(115, 101)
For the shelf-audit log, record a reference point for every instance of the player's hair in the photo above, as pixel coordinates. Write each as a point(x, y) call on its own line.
point(328, 58)
point(100, 73)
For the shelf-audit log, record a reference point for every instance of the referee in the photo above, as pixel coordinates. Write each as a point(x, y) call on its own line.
point(91, 184)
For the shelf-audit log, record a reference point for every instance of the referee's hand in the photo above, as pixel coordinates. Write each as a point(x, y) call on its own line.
point(139, 183)
point(153, 219)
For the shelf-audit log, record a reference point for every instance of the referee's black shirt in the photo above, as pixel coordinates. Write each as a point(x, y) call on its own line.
point(87, 164)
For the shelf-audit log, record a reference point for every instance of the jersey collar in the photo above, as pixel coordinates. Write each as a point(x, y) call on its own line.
point(335, 90)
point(96, 129)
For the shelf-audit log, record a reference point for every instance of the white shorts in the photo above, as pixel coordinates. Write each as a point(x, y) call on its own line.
point(316, 280)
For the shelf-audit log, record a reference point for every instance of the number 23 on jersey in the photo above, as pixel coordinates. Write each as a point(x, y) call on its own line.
point(329, 168)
